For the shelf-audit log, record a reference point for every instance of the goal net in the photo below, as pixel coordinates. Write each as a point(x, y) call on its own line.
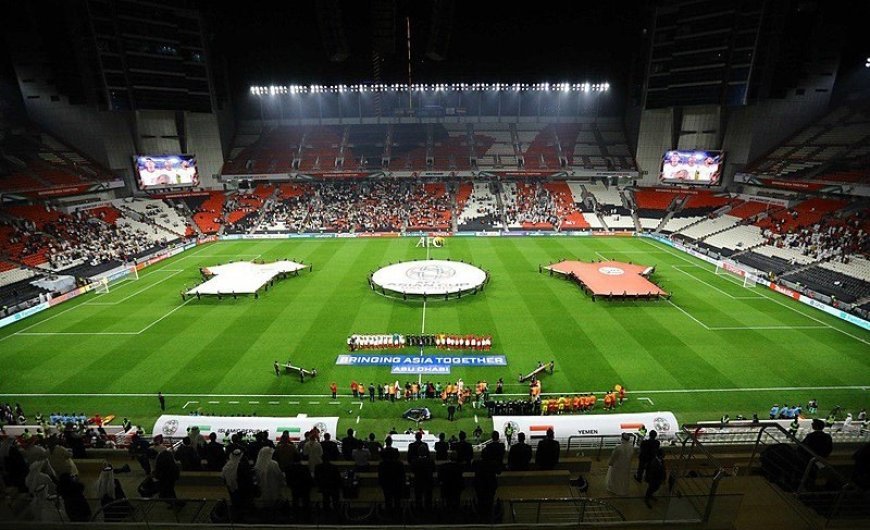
point(736, 275)
point(103, 285)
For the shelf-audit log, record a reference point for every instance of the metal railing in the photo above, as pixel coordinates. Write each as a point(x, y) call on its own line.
point(594, 442)
point(817, 485)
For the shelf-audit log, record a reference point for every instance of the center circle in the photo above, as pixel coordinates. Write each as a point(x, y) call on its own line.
point(429, 277)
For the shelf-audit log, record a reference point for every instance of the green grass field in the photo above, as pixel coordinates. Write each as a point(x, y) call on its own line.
point(716, 347)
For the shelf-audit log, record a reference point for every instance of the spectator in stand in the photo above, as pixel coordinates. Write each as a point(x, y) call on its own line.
point(38, 477)
point(299, 479)
point(441, 447)
point(655, 476)
point(313, 451)
point(547, 455)
point(520, 454)
point(73, 494)
point(328, 480)
point(166, 473)
point(648, 448)
point(424, 477)
point(451, 481)
point(270, 479)
point(112, 498)
point(286, 452)
point(391, 477)
point(214, 453)
point(464, 451)
point(187, 456)
point(348, 444)
point(619, 467)
point(330, 448)
point(494, 451)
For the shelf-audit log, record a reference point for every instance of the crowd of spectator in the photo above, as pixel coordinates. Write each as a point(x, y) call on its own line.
point(81, 238)
point(533, 204)
point(829, 239)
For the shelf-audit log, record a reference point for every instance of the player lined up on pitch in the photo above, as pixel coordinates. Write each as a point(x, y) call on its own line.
point(437, 340)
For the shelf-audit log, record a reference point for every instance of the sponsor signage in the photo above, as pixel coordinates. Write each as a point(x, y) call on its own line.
point(417, 360)
point(610, 425)
point(177, 426)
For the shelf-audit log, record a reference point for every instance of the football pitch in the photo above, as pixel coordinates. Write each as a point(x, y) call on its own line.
point(715, 347)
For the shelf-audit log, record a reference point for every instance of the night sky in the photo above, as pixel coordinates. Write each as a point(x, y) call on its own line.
point(280, 42)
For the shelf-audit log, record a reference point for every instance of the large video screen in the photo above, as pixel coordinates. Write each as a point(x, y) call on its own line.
point(163, 171)
point(692, 167)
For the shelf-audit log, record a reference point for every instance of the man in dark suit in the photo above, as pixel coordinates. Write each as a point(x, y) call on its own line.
point(547, 455)
point(464, 451)
point(391, 477)
point(648, 450)
point(389, 451)
point(416, 448)
point(328, 480)
point(348, 444)
point(451, 480)
point(494, 451)
point(330, 448)
point(520, 454)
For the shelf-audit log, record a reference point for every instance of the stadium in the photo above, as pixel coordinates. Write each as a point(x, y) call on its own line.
point(393, 270)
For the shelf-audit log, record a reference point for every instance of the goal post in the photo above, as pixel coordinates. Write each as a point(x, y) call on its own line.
point(745, 278)
point(101, 285)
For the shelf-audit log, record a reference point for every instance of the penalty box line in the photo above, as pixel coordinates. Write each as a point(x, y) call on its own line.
point(765, 295)
point(79, 333)
point(140, 291)
point(740, 328)
point(729, 295)
point(863, 388)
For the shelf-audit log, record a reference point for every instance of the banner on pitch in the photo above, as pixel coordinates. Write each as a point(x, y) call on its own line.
point(419, 369)
point(395, 361)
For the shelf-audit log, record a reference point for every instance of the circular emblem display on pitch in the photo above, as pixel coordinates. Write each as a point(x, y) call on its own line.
point(428, 277)
point(430, 273)
point(170, 427)
point(611, 271)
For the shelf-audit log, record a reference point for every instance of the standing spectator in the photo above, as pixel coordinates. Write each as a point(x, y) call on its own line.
point(112, 497)
point(520, 454)
point(464, 451)
point(619, 466)
point(73, 494)
point(486, 472)
point(328, 480)
point(494, 451)
point(269, 477)
point(417, 447)
point(313, 451)
point(655, 475)
point(61, 462)
point(820, 443)
point(374, 446)
point(37, 477)
point(348, 444)
point(441, 447)
point(285, 453)
point(300, 482)
point(424, 477)
point(162, 400)
point(648, 449)
point(361, 457)
point(214, 453)
point(391, 477)
point(187, 456)
point(330, 448)
point(389, 451)
point(166, 473)
point(451, 480)
point(547, 455)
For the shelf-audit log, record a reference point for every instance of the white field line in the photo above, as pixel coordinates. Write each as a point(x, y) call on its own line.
point(683, 311)
point(645, 399)
point(252, 256)
point(146, 328)
point(774, 300)
point(141, 331)
point(137, 292)
point(125, 281)
point(656, 391)
point(729, 295)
